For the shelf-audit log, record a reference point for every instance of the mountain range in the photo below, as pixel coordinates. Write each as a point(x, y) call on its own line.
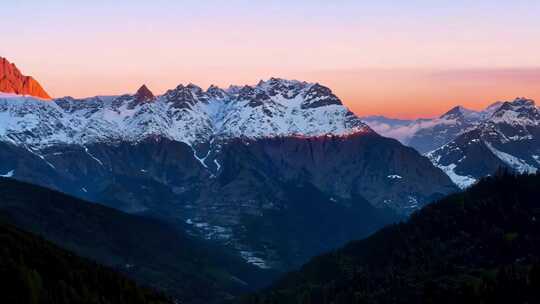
point(510, 138)
point(468, 145)
point(426, 135)
point(231, 165)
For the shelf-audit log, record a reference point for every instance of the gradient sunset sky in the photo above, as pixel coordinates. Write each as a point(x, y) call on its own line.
point(401, 59)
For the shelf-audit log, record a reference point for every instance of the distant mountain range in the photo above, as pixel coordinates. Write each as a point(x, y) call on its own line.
point(426, 135)
point(232, 165)
point(468, 145)
point(509, 138)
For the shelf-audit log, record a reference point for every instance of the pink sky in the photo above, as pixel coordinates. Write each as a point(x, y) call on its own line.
point(410, 59)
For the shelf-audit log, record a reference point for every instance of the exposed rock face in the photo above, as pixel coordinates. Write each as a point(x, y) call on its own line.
point(14, 82)
point(144, 94)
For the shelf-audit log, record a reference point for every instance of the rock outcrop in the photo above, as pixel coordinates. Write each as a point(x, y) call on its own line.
point(14, 82)
point(144, 94)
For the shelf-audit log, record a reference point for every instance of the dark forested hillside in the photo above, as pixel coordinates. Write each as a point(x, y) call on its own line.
point(479, 246)
point(147, 250)
point(34, 271)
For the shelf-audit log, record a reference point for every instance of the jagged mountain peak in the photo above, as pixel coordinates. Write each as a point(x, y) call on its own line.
point(461, 112)
point(144, 94)
point(214, 91)
point(518, 103)
point(521, 111)
point(524, 100)
point(190, 87)
point(457, 112)
point(494, 106)
point(319, 96)
point(281, 82)
point(12, 81)
point(508, 138)
point(194, 88)
point(183, 97)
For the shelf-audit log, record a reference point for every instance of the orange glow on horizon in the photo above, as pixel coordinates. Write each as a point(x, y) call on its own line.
point(422, 93)
point(399, 93)
point(398, 59)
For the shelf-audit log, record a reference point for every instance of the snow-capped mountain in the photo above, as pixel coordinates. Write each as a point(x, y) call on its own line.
point(429, 134)
point(509, 138)
point(232, 165)
point(186, 114)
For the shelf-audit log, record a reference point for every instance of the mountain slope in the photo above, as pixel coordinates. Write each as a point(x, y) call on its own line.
point(379, 169)
point(12, 81)
point(35, 271)
point(510, 138)
point(147, 250)
point(479, 246)
point(242, 179)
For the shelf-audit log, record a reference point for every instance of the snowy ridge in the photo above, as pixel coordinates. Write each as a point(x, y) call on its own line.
point(188, 114)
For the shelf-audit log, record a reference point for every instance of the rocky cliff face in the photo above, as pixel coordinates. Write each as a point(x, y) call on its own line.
point(276, 201)
point(12, 81)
